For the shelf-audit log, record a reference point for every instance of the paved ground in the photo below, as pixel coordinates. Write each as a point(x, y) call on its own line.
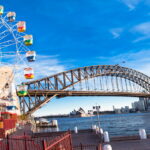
point(131, 145)
point(24, 130)
point(85, 137)
point(88, 137)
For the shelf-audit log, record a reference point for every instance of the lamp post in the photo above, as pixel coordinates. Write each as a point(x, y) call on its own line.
point(97, 108)
point(90, 112)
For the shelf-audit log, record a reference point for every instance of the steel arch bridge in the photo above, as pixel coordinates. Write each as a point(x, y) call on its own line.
point(99, 80)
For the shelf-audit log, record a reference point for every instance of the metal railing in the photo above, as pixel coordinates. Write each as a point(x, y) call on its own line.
point(62, 142)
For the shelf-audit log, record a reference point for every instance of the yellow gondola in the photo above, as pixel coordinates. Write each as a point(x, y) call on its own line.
point(11, 16)
point(28, 73)
point(31, 55)
point(21, 25)
point(1, 9)
point(28, 40)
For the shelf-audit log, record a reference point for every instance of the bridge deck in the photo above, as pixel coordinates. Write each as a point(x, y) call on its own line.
point(85, 93)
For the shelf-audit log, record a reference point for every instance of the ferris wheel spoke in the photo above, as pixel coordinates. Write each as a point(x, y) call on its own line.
point(7, 56)
point(15, 24)
point(20, 34)
point(10, 52)
point(5, 17)
point(1, 25)
point(21, 60)
point(13, 40)
point(9, 27)
point(21, 45)
point(4, 32)
point(4, 46)
point(25, 48)
point(4, 36)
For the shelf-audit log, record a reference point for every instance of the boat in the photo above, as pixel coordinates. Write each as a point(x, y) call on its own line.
point(44, 123)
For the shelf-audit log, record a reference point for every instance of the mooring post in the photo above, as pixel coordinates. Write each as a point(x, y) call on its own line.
point(25, 141)
point(99, 147)
point(44, 145)
point(7, 141)
point(25, 144)
point(81, 146)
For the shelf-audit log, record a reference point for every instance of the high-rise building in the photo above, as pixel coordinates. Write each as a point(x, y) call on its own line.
point(146, 102)
point(138, 106)
point(113, 108)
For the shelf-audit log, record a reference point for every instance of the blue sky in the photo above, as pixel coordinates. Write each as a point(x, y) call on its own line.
point(74, 33)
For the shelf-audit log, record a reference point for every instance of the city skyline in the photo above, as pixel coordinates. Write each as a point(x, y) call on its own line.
point(84, 102)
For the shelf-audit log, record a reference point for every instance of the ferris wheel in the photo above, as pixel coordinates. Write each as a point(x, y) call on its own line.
point(14, 45)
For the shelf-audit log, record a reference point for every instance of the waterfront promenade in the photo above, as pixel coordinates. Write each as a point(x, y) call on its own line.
point(131, 145)
point(86, 139)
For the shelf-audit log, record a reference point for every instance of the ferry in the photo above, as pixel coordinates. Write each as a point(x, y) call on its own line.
point(44, 123)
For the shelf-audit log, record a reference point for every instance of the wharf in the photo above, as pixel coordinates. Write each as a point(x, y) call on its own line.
point(130, 143)
point(88, 137)
point(24, 130)
point(85, 137)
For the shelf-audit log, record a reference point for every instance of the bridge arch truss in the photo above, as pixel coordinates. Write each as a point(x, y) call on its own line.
point(77, 82)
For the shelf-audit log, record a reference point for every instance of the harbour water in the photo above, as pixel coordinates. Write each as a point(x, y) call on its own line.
point(115, 124)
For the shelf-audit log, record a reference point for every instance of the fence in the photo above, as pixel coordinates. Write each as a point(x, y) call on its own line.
point(9, 124)
point(88, 147)
point(62, 142)
point(19, 143)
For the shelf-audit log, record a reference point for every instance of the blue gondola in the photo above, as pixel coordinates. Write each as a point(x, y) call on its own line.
point(31, 56)
point(11, 16)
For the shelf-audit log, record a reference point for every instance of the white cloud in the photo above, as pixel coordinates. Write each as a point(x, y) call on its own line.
point(131, 4)
point(116, 32)
point(44, 66)
point(143, 29)
point(137, 60)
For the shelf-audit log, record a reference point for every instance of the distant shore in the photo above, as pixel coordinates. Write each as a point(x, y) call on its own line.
point(67, 115)
point(54, 116)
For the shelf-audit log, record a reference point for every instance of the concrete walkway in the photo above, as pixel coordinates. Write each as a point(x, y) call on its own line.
point(23, 130)
point(131, 145)
point(86, 137)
